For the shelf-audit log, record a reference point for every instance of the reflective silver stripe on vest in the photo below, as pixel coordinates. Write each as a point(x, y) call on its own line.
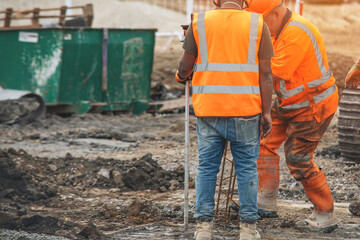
point(325, 94)
point(226, 89)
point(283, 93)
point(326, 75)
point(251, 66)
point(296, 106)
point(254, 25)
point(319, 81)
point(224, 67)
point(202, 38)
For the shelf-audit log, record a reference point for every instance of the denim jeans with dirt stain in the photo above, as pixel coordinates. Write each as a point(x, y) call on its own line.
point(244, 137)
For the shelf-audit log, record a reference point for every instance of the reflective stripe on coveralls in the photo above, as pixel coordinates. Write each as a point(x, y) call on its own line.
point(224, 67)
point(326, 75)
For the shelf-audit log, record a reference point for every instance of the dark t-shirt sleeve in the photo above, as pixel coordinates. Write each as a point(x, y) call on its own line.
point(189, 44)
point(265, 50)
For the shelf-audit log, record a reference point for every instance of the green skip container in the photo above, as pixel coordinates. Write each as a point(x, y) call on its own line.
point(77, 70)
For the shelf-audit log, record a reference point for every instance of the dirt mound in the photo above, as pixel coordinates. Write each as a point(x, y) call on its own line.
point(133, 175)
point(25, 180)
point(18, 185)
point(354, 208)
point(332, 152)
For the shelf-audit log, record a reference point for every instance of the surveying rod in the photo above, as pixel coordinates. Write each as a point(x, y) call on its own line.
point(186, 165)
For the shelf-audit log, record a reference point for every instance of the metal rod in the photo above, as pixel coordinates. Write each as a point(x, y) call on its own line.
point(189, 10)
point(186, 180)
point(221, 180)
point(229, 187)
point(104, 76)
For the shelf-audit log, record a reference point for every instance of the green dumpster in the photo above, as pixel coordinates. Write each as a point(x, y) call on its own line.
point(78, 69)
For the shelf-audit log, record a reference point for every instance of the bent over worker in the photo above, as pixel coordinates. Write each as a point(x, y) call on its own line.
point(229, 51)
point(306, 101)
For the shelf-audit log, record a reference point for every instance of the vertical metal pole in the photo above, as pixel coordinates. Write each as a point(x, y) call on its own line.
point(104, 83)
point(189, 10)
point(69, 4)
point(186, 180)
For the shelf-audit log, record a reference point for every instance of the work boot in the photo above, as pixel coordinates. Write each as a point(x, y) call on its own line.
point(323, 218)
point(204, 231)
point(248, 231)
point(268, 174)
point(318, 222)
point(317, 189)
point(267, 214)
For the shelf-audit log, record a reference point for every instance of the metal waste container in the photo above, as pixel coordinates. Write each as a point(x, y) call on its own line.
point(78, 69)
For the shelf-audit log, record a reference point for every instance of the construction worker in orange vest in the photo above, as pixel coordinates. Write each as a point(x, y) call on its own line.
point(229, 51)
point(306, 101)
point(353, 77)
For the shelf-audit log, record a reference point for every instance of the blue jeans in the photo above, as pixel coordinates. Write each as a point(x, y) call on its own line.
point(244, 137)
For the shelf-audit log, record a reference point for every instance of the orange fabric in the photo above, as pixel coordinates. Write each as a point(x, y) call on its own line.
point(301, 140)
point(263, 6)
point(269, 178)
point(353, 77)
point(226, 44)
point(296, 62)
point(318, 192)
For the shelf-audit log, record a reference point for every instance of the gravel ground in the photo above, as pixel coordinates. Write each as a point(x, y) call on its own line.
point(16, 235)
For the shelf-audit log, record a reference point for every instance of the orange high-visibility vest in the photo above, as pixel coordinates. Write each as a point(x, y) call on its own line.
point(226, 71)
point(310, 84)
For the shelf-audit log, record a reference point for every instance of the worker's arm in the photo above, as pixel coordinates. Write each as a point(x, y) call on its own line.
point(186, 65)
point(353, 77)
point(266, 85)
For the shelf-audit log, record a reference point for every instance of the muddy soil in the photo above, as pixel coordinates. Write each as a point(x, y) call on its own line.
point(54, 182)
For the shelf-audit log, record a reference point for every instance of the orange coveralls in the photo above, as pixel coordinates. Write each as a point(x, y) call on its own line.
point(306, 101)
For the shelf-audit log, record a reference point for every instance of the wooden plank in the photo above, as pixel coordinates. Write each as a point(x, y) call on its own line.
point(47, 16)
point(10, 15)
point(35, 18)
point(89, 14)
point(62, 13)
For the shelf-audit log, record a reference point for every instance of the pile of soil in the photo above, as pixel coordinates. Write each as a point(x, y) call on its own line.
point(17, 185)
point(26, 180)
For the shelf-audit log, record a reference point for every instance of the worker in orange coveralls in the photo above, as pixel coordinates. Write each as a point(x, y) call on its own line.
point(306, 101)
point(353, 77)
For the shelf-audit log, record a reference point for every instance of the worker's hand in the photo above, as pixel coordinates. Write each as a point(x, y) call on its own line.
point(353, 77)
point(179, 79)
point(182, 80)
point(265, 125)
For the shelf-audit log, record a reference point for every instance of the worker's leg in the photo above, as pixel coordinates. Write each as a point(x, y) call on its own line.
point(211, 144)
point(303, 138)
point(244, 137)
point(268, 167)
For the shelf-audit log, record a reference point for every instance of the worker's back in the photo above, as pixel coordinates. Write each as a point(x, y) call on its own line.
point(308, 83)
point(226, 73)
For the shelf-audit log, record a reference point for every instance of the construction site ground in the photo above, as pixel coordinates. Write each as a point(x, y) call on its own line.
point(121, 176)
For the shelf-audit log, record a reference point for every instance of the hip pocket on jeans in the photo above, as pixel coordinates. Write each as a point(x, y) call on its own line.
point(247, 129)
point(206, 127)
